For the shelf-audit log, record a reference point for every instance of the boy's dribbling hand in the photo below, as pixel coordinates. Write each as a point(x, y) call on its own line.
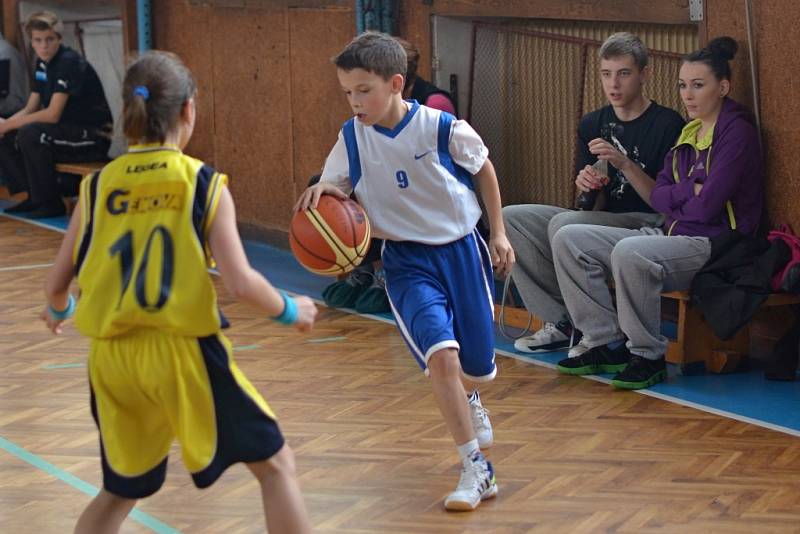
point(53, 324)
point(310, 197)
point(306, 313)
point(589, 179)
point(502, 254)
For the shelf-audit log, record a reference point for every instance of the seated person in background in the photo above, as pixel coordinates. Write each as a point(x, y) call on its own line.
point(67, 118)
point(644, 131)
point(711, 183)
point(364, 288)
point(421, 90)
point(13, 81)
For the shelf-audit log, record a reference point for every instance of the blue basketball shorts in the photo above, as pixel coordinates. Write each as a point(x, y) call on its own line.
point(441, 297)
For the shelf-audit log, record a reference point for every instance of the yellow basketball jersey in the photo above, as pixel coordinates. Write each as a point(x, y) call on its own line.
point(141, 253)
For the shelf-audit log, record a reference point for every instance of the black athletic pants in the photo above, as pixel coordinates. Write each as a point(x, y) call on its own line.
point(28, 156)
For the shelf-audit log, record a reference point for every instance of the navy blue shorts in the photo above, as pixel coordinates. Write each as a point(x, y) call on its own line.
point(441, 297)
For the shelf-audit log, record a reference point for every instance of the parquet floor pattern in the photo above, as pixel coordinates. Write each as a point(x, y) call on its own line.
point(373, 455)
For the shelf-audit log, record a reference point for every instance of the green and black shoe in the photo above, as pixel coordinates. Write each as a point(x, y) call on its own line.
point(374, 298)
point(596, 360)
point(344, 293)
point(640, 373)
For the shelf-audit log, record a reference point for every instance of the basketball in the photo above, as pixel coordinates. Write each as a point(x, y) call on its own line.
point(331, 239)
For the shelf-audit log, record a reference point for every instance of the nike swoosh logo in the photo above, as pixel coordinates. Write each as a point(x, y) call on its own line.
point(422, 155)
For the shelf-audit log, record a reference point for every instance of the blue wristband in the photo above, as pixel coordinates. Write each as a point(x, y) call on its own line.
point(65, 313)
point(289, 315)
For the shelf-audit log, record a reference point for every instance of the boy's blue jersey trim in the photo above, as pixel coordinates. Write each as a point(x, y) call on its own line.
point(443, 147)
point(349, 133)
point(394, 132)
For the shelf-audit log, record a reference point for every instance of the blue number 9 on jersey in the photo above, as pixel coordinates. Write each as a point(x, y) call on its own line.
point(402, 179)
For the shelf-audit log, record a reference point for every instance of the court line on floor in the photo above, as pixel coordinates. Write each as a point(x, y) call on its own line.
point(661, 396)
point(40, 224)
point(63, 365)
point(25, 267)
point(137, 515)
point(668, 398)
point(247, 347)
point(326, 339)
point(81, 485)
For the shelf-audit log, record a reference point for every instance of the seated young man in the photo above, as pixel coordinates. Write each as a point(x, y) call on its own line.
point(712, 182)
point(67, 118)
point(640, 129)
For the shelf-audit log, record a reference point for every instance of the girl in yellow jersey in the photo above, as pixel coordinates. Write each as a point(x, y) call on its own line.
point(140, 241)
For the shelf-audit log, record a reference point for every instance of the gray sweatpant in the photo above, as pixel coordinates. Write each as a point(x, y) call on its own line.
point(642, 263)
point(530, 229)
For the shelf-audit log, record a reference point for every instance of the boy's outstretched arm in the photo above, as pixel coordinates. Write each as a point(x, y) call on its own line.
point(499, 246)
point(241, 280)
point(60, 275)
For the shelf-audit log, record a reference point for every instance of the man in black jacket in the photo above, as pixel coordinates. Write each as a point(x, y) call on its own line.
point(67, 118)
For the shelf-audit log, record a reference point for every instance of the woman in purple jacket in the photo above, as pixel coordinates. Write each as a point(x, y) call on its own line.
point(711, 183)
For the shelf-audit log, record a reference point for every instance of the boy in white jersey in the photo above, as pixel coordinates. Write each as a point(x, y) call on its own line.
point(412, 169)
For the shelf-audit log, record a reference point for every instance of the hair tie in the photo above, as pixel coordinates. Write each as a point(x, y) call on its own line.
point(142, 91)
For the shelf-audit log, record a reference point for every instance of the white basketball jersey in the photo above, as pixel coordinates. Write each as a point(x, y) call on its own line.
point(415, 180)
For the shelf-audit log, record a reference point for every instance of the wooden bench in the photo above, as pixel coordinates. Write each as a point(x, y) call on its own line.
point(695, 344)
point(79, 169)
point(695, 347)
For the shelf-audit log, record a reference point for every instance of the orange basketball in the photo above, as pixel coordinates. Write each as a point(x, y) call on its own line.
point(331, 239)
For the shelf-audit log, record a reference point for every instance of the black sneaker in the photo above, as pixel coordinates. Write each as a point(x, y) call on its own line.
point(596, 360)
point(22, 207)
point(640, 373)
point(54, 209)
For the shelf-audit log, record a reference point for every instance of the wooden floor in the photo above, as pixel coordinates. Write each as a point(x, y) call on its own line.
point(373, 456)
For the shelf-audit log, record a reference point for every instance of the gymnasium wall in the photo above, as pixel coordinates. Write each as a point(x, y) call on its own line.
point(776, 38)
point(269, 104)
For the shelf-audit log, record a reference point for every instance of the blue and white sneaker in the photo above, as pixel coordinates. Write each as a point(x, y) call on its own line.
point(480, 421)
point(477, 483)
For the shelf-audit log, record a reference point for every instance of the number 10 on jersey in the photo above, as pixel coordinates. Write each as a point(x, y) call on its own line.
point(124, 248)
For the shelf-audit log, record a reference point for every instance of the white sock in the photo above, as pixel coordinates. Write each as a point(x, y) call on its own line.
point(469, 449)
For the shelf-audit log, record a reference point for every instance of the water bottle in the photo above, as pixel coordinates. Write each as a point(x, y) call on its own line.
point(587, 199)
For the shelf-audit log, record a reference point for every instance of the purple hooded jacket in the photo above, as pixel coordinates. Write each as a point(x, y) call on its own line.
point(731, 171)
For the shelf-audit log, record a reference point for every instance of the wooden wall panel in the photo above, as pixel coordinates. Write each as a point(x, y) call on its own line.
point(779, 74)
point(130, 34)
point(186, 31)
point(11, 21)
point(252, 111)
point(779, 79)
point(414, 25)
point(318, 104)
point(727, 17)
point(663, 11)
